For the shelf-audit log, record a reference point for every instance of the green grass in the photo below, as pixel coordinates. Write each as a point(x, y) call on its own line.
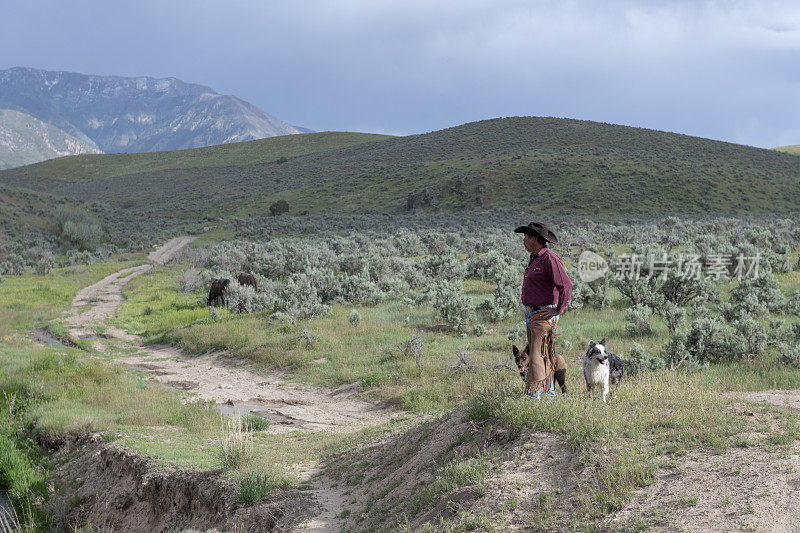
point(258, 486)
point(35, 299)
point(18, 474)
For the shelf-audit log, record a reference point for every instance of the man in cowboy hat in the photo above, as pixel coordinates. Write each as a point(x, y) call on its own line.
point(545, 294)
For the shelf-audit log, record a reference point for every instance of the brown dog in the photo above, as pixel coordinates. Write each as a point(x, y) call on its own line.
point(523, 360)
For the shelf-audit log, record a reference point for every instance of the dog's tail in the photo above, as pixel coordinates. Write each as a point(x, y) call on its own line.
point(561, 379)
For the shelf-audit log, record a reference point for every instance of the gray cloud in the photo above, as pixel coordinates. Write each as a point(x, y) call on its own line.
point(724, 70)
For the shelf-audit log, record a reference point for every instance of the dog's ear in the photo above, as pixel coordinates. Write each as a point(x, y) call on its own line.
point(591, 343)
point(527, 349)
point(603, 342)
point(514, 350)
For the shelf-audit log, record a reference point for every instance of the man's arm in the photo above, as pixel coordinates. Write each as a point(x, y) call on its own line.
point(562, 282)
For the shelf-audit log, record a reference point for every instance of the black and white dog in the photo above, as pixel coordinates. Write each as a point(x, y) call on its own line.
point(602, 368)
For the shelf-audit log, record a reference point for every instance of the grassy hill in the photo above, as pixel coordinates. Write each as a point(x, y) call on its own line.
point(791, 149)
point(244, 154)
point(556, 166)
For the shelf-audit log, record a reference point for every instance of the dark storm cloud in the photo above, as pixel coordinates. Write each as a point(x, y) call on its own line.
point(725, 70)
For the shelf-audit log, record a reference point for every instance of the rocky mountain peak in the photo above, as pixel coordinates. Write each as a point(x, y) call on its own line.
point(135, 114)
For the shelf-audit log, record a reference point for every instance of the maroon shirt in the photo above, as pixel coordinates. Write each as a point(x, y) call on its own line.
point(546, 282)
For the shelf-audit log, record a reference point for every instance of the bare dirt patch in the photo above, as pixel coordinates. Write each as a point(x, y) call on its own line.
point(743, 489)
point(779, 398)
point(746, 488)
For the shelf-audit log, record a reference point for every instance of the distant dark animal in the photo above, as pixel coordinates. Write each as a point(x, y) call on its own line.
point(247, 279)
point(217, 294)
point(602, 368)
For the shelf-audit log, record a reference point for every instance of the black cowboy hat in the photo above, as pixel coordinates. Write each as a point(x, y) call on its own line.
point(539, 229)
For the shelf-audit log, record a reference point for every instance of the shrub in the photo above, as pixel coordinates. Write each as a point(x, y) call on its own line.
point(452, 306)
point(493, 265)
point(479, 330)
point(14, 265)
point(672, 315)
point(793, 303)
point(757, 296)
point(408, 243)
point(414, 347)
point(244, 299)
point(78, 257)
point(682, 290)
point(449, 303)
point(298, 298)
point(706, 340)
point(44, 265)
point(591, 294)
point(790, 354)
point(279, 207)
point(505, 300)
point(354, 318)
point(190, 280)
point(226, 257)
point(360, 289)
point(753, 333)
point(393, 286)
point(77, 228)
point(637, 320)
point(518, 333)
point(638, 360)
point(636, 283)
point(443, 266)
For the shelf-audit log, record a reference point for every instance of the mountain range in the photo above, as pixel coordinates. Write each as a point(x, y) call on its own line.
point(73, 113)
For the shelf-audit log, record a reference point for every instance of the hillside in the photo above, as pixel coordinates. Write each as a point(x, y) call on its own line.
point(791, 149)
point(25, 140)
point(556, 166)
point(88, 168)
point(139, 114)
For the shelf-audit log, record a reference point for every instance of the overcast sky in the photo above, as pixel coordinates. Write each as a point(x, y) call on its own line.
point(724, 70)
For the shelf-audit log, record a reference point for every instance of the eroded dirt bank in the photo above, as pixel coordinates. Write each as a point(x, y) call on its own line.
point(105, 487)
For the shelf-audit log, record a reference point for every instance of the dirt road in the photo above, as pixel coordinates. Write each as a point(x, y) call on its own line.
point(213, 377)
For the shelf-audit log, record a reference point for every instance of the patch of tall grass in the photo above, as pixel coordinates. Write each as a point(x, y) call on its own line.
point(236, 447)
point(25, 483)
point(258, 485)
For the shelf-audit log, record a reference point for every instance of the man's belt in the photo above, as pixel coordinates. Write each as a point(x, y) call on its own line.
point(533, 311)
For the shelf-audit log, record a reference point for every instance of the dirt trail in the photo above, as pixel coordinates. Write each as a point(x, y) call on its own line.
point(216, 378)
